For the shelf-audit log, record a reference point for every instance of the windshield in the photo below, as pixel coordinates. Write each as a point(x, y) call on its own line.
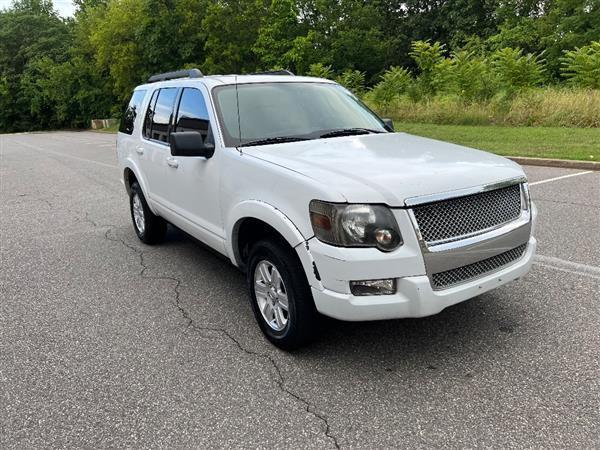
point(290, 111)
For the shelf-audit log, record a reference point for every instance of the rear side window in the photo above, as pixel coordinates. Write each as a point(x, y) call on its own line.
point(161, 114)
point(192, 114)
point(149, 115)
point(128, 120)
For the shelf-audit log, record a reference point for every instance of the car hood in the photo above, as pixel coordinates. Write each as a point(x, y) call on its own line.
point(388, 168)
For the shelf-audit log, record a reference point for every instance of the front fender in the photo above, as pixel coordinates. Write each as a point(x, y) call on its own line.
point(274, 217)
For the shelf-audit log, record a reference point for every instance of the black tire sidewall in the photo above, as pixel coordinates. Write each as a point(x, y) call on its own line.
point(136, 190)
point(301, 325)
point(154, 226)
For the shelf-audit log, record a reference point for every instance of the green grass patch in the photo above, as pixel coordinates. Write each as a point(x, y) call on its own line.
point(581, 144)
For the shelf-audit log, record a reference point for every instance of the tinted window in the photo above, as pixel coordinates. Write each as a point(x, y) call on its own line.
point(161, 116)
point(192, 114)
point(131, 112)
point(149, 115)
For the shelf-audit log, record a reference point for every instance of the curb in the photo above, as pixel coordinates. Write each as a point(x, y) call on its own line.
point(563, 163)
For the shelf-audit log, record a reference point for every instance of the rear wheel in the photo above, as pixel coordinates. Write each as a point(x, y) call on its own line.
point(280, 294)
point(150, 228)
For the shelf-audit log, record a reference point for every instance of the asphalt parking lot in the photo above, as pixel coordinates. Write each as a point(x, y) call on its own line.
point(105, 342)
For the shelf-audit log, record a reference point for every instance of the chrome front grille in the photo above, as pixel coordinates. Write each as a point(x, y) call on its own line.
point(449, 278)
point(456, 218)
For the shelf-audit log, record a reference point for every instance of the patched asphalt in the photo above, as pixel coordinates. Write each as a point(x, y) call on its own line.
point(106, 342)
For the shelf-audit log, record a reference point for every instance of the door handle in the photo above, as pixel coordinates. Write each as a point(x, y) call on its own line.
point(172, 162)
point(139, 150)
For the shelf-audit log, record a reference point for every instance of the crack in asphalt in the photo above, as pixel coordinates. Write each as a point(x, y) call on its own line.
point(280, 381)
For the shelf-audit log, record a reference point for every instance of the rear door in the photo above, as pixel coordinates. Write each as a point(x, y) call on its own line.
point(154, 147)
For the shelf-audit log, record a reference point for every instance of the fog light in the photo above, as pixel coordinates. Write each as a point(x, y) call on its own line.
point(373, 287)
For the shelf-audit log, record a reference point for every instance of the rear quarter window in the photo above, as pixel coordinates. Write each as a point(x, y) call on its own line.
point(131, 112)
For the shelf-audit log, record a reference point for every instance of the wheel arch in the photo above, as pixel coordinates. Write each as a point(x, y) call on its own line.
point(261, 218)
point(254, 219)
point(131, 173)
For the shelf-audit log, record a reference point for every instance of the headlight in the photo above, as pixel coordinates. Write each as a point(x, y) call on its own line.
point(355, 225)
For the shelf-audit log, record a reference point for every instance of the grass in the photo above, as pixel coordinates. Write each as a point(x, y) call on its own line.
point(581, 144)
point(547, 107)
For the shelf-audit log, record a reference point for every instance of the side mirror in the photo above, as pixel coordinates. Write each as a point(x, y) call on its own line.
point(389, 124)
point(190, 143)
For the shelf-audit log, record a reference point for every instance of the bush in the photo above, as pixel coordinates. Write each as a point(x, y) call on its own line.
point(532, 107)
point(430, 61)
point(582, 66)
point(320, 70)
point(353, 80)
point(471, 77)
point(516, 71)
point(394, 82)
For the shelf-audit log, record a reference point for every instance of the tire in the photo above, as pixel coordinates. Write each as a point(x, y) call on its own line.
point(150, 228)
point(298, 325)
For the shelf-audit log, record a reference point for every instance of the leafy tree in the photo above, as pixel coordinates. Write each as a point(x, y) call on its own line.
point(353, 80)
point(582, 66)
point(28, 31)
point(515, 70)
point(320, 70)
point(278, 30)
point(394, 82)
point(430, 62)
point(232, 29)
point(472, 78)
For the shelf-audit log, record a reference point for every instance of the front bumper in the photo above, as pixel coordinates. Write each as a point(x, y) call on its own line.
point(415, 296)
point(330, 269)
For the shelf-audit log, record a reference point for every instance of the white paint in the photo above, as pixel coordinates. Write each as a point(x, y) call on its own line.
point(568, 266)
point(207, 198)
point(45, 150)
point(560, 178)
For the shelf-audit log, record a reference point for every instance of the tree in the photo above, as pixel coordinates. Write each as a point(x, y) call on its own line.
point(232, 29)
point(28, 31)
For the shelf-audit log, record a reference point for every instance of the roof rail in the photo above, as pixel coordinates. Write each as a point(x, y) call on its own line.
point(191, 73)
point(273, 72)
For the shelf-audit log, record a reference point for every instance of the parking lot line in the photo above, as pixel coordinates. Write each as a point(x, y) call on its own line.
point(45, 150)
point(568, 266)
point(560, 178)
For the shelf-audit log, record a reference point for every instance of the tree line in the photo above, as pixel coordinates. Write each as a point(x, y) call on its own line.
point(61, 72)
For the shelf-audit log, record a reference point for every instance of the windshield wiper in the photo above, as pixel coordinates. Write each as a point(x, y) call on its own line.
point(273, 140)
point(349, 132)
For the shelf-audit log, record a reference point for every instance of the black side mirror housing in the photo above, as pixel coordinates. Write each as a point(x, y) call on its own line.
point(190, 143)
point(389, 124)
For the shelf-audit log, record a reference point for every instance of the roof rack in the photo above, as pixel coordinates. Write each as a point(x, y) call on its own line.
point(273, 72)
point(191, 73)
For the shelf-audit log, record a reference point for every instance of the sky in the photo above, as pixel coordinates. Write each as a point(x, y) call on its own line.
point(64, 7)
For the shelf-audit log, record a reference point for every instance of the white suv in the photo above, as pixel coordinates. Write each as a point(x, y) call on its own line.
point(323, 206)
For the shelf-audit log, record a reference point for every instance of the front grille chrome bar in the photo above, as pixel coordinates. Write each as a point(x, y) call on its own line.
point(432, 198)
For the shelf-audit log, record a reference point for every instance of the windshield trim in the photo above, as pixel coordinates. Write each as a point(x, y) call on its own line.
point(219, 118)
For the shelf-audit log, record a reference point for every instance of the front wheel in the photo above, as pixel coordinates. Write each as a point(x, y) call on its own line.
point(280, 294)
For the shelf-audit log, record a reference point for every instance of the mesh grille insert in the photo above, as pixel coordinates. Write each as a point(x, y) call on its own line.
point(452, 277)
point(450, 219)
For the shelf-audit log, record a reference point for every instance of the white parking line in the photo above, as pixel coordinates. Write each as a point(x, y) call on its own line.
point(568, 266)
point(559, 178)
point(35, 147)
